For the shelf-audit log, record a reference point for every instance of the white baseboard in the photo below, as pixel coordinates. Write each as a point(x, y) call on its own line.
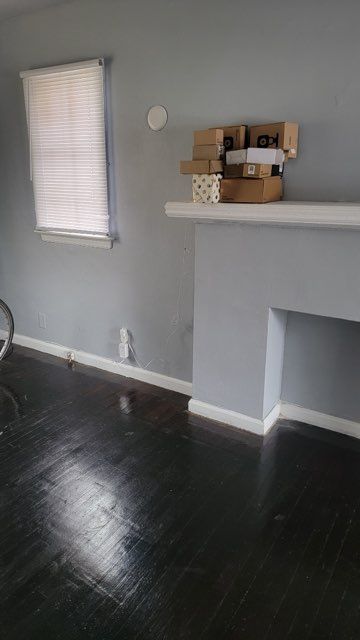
point(235, 419)
point(92, 360)
point(322, 420)
point(281, 410)
point(213, 412)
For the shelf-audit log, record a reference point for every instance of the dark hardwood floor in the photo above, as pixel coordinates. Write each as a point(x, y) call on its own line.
point(124, 517)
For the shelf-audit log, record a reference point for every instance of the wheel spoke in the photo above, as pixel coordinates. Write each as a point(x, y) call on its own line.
point(6, 329)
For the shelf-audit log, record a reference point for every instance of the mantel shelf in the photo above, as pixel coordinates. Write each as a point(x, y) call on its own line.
point(332, 215)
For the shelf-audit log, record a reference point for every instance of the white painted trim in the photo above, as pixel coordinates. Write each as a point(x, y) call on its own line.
point(322, 420)
point(233, 418)
point(82, 239)
point(271, 418)
point(331, 215)
point(281, 410)
point(93, 360)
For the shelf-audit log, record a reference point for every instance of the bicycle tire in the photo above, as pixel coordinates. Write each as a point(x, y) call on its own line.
point(8, 338)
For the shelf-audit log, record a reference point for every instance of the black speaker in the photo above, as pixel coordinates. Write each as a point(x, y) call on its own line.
point(265, 141)
point(228, 143)
point(277, 170)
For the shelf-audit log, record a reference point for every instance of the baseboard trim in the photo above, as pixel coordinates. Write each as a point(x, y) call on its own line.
point(271, 417)
point(204, 409)
point(281, 410)
point(93, 360)
point(233, 418)
point(322, 420)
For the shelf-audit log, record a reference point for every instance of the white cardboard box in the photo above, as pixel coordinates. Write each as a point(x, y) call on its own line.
point(265, 156)
point(255, 156)
point(236, 156)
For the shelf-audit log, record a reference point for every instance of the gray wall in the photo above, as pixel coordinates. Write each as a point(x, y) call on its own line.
point(208, 62)
point(88, 294)
point(322, 365)
point(250, 270)
point(275, 346)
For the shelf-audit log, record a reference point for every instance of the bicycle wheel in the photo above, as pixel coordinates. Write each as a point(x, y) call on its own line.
point(6, 329)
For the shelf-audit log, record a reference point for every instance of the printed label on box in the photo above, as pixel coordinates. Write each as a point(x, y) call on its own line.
point(251, 169)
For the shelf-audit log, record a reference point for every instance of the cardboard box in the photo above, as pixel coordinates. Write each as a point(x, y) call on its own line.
point(254, 191)
point(234, 137)
point(201, 166)
point(264, 156)
point(208, 136)
point(208, 152)
point(255, 156)
point(236, 157)
point(279, 135)
point(206, 188)
point(247, 170)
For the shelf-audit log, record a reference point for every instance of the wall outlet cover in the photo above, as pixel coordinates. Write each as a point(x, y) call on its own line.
point(123, 350)
point(124, 335)
point(42, 320)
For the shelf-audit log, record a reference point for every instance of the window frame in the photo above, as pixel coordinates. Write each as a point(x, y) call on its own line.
point(81, 238)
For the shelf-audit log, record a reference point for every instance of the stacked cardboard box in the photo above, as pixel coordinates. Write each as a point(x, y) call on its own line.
point(252, 174)
point(255, 174)
point(207, 165)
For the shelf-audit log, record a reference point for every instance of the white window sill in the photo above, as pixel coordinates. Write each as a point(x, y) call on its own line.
point(82, 239)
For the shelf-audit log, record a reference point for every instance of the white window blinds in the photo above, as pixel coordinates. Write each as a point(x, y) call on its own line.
point(66, 123)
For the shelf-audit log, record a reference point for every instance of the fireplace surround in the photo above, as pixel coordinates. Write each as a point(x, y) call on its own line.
point(253, 265)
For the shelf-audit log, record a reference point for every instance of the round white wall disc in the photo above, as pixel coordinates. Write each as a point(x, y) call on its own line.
point(157, 117)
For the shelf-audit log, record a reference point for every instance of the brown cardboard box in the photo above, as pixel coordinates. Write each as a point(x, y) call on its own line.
point(248, 170)
point(201, 166)
point(280, 135)
point(208, 152)
point(245, 190)
point(235, 137)
point(208, 136)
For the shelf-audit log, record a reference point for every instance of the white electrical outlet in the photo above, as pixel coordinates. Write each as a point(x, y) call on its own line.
point(175, 320)
point(42, 320)
point(124, 336)
point(123, 350)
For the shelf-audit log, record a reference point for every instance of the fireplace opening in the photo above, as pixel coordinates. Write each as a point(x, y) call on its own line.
point(313, 362)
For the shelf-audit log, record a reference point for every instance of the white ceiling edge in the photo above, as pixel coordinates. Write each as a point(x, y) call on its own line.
point(14, 8)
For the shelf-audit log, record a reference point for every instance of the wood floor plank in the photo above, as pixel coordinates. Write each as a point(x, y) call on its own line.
point(122, 516)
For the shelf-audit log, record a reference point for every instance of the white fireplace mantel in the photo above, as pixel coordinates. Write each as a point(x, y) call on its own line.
point(332, 215)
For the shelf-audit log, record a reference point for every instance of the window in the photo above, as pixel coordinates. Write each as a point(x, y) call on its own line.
point(66, 123)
